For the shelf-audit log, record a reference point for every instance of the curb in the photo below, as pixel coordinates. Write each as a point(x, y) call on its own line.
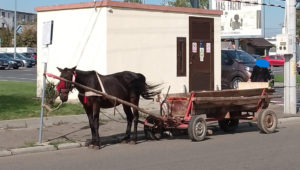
point(33, 149)
point(5, 153)
point(68, 146)
point(46, 147)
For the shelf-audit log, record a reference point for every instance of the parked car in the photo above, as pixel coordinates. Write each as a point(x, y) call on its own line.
point(26, 62)
point(256, 56)
point(32, 60)
point(237, 66)
point(275, 60)
point(29, 55)
point(12, 63)
point(3, 64)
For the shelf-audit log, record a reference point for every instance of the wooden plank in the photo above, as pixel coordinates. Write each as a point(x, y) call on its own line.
point(214, 99)
point(232, 93)
point(253, 85)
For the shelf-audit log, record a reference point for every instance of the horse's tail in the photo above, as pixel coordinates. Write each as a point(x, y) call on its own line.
point(147, 91)
point(150, 91)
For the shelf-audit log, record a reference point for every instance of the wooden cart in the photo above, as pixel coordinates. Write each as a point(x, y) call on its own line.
point(191, 111)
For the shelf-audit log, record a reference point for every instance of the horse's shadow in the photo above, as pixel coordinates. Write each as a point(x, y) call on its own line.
point(109, 140)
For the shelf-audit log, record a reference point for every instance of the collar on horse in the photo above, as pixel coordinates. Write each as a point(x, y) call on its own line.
point(90, 93)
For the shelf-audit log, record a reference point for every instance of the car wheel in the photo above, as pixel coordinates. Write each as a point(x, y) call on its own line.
point(235, 82)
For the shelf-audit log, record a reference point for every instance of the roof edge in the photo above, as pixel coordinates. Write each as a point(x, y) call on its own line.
point(129, 5)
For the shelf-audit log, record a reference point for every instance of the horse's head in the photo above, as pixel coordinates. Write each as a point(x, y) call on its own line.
point(63, 87)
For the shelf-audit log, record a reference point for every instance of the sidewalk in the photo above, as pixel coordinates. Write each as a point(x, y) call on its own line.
point(64, 132)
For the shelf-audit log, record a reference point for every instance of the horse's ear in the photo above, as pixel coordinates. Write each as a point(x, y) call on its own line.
point(74, 68)
point(59, 69)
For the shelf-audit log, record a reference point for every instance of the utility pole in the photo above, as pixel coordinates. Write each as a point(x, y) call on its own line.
point(290, 59)
point(15, 30)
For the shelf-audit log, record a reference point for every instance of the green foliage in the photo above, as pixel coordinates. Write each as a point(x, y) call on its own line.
point(186, 3)
point(28, 38)
point(50, 94)
point(6, 37)
point(204, 4)
point(180, 3)
point(298, 22)
point(136, 1)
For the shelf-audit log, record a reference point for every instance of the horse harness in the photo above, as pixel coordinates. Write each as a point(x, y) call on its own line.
point(61, 87)
point(90, 93)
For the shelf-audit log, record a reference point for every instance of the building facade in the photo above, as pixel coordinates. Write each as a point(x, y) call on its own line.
point(7, 18)
point(172, 46)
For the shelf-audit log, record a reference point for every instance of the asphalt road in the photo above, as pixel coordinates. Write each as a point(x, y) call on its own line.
point(21, 74)
point(246, 149)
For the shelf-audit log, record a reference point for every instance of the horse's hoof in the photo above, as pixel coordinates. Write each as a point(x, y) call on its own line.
point(96, 147)
point(124, 141)
point(132, 142)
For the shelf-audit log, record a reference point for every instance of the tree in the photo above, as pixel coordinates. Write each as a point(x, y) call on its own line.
point(136, 1)
point(28, 37)
point(6, 37)
point(298, 21)
point(204, 4)
point(187, 3)
point(180, 3)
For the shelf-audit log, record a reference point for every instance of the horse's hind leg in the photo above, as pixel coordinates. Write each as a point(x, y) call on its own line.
point(135, 100)
point(129, 117)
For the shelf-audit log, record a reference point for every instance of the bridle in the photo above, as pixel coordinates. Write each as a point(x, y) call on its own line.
point(65, 87)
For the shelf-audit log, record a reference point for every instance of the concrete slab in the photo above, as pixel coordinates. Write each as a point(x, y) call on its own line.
point(68, 146)
point(33, 149)
point(5, 153)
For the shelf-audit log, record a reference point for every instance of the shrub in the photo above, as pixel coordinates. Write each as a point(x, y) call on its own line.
point(50, 94)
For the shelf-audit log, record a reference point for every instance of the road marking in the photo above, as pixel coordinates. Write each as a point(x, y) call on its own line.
point(8, 78)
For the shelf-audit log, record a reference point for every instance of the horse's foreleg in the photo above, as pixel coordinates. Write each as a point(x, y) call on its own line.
point(89, 113)
point(129, 117)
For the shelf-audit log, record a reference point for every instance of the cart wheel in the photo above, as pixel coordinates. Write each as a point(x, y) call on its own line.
point(197, 128)
point(152, 133)
point(228, 125)
point(267, 121)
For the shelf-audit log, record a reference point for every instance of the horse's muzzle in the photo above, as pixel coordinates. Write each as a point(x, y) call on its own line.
point(63, 95)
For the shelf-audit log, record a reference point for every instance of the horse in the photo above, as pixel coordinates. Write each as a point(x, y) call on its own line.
point(126, 85)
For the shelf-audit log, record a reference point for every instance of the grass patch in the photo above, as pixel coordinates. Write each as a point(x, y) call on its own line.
point(280, 78)
point(29, 144)
point(18, 100)
point(60, 141)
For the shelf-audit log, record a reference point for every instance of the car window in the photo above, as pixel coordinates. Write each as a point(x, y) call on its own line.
point(272, 57)
point(224, 58)
point(244, 57)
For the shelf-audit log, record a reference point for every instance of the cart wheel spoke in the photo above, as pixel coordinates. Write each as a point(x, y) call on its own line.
point(267, 121)
point(197, 128)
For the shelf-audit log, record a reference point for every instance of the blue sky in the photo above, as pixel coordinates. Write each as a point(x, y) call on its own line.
point(273, 15)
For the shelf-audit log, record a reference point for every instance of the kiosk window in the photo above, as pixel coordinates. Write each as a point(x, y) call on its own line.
point(181, 56)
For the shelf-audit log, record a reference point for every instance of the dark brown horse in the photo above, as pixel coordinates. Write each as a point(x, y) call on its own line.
point(125, 85)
